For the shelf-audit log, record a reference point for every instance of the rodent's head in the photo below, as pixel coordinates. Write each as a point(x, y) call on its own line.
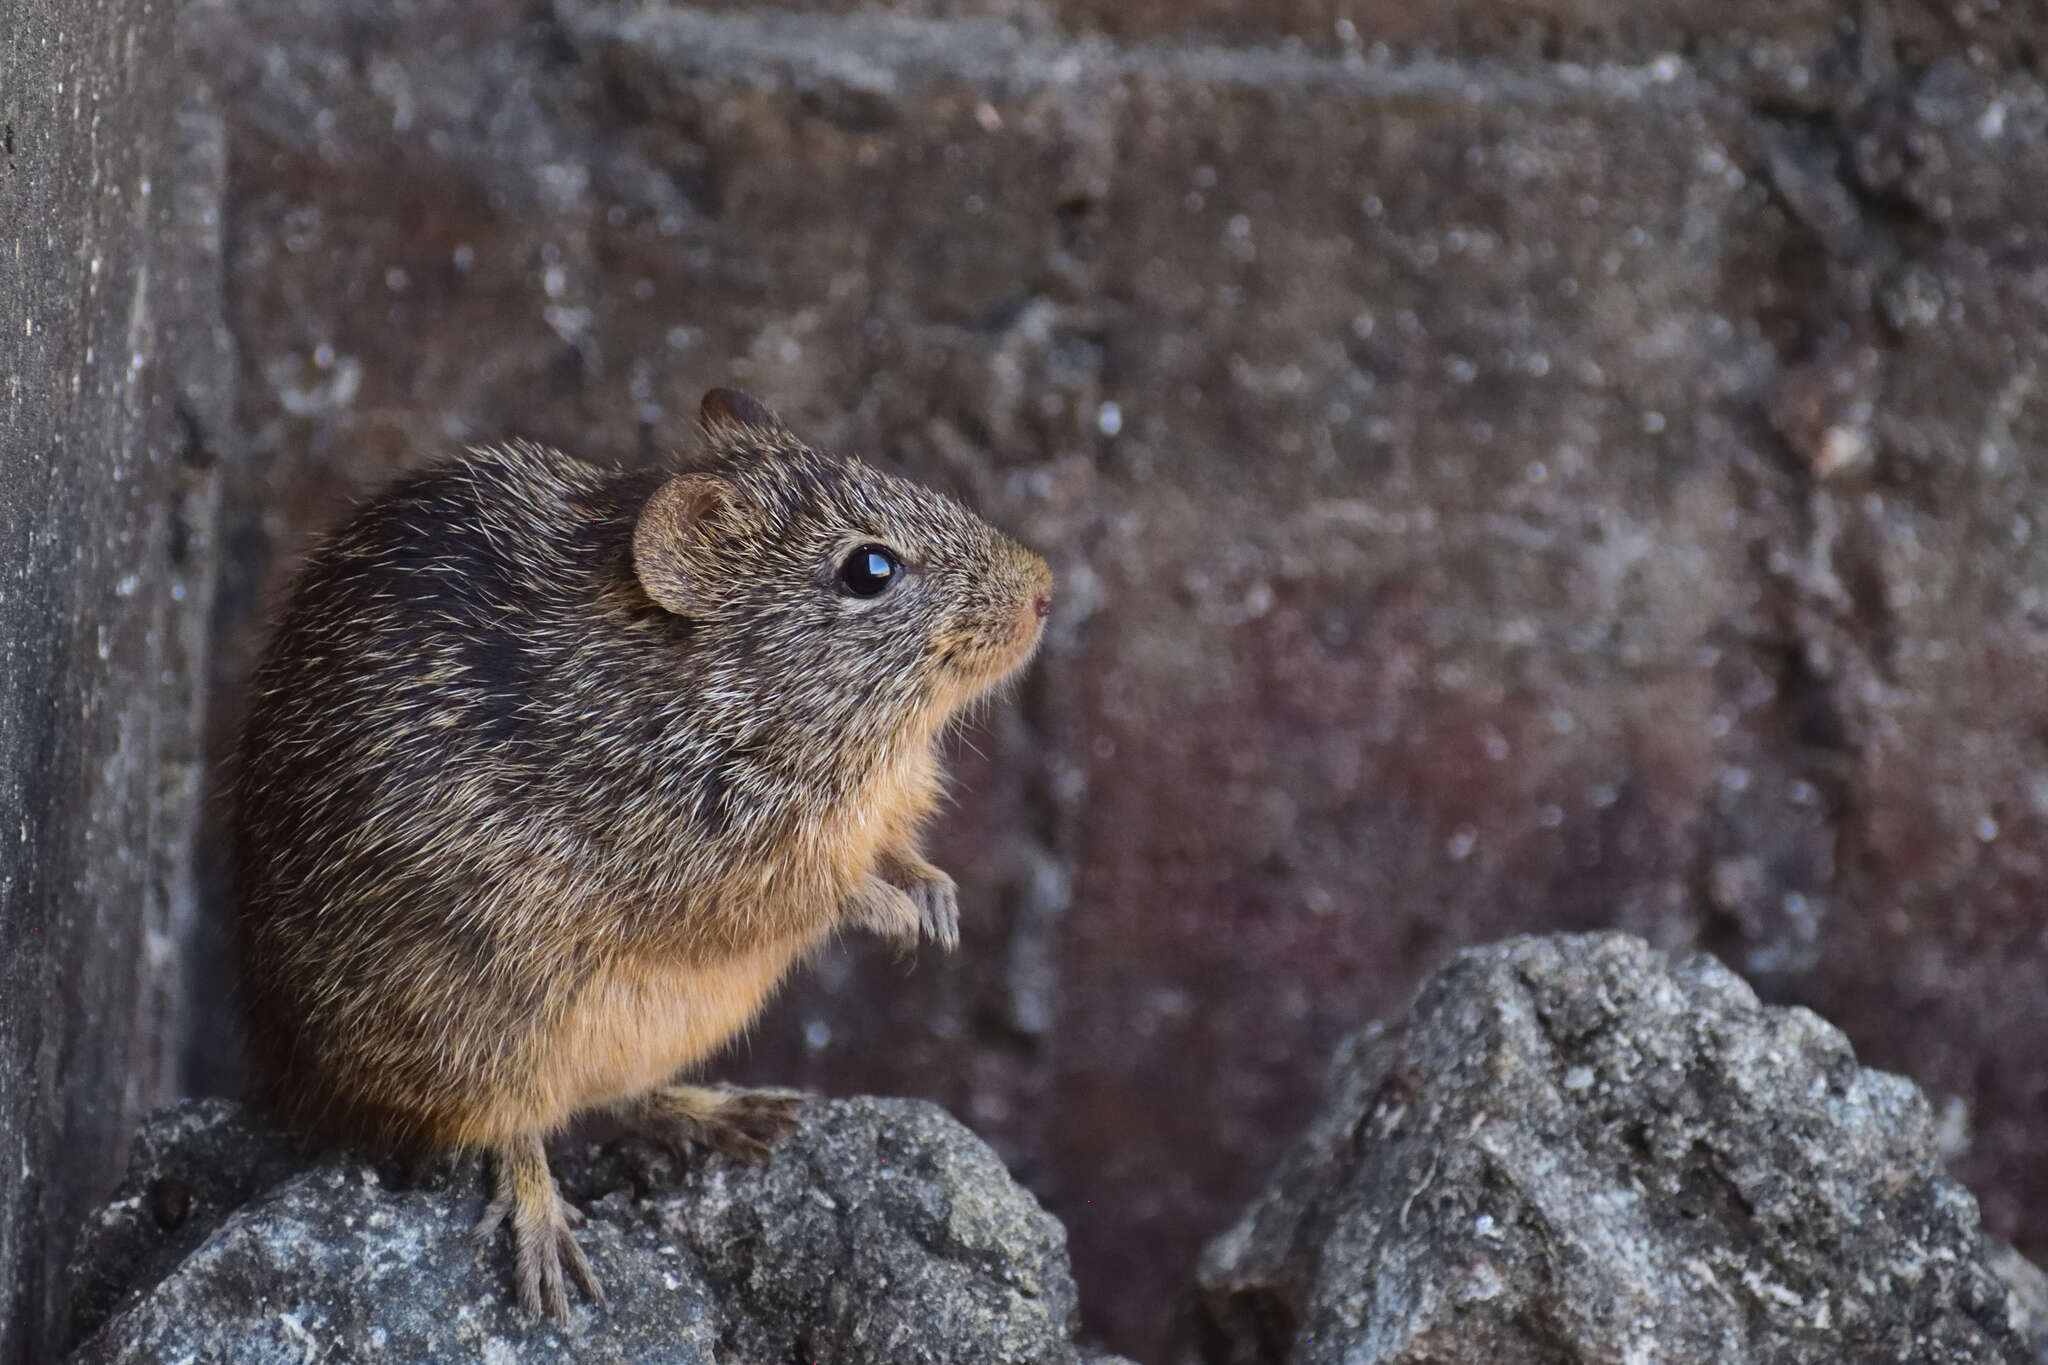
point(848, 592)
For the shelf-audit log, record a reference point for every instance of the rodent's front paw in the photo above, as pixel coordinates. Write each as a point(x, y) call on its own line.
point(885, 910)
point(924, 904)
point(937, 899)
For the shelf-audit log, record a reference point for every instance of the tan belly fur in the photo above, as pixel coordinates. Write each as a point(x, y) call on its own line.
point(633, 1029)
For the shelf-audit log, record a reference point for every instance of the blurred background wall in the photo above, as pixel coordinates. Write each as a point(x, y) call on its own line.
point(1512, 465)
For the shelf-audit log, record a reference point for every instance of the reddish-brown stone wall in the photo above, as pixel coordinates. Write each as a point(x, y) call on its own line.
point(1566, 469)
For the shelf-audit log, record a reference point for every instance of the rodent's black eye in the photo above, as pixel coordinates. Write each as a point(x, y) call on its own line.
point(869, 571)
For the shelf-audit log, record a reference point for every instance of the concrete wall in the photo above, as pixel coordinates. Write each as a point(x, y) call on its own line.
point(110, 373)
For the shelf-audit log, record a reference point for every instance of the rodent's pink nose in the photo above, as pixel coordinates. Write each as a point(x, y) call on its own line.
point(1043, 606)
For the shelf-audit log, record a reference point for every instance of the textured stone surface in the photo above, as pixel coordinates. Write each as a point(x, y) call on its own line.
point(1797, 32)
point(111, 374)
point(881, 1231)
point(1493, 490)
point(1576, 1150)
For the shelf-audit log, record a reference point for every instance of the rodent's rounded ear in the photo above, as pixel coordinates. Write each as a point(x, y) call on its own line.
point(672, 542)
point(730, 409)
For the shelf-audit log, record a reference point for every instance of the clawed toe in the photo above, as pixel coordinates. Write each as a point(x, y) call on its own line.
point(494, 1215)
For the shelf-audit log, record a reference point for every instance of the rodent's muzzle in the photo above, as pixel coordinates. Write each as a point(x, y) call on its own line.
point(1034, 595)
point(1000, 627)
point(1023, 605)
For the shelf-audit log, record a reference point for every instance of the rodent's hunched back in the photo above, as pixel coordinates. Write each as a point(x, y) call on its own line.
point(402, 778)
point(551, 771)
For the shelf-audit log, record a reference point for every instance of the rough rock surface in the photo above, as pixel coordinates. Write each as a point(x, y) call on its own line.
point(1577, 1150)
point(1523, 465)
point(880, 1232)
point(1998, 32)
point(111, 368)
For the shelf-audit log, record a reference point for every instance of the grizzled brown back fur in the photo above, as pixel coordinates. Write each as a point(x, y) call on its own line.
point(540, 749)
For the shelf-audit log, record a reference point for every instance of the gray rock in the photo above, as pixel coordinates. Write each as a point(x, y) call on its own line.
point(881, 1231)
point(1577, 1150)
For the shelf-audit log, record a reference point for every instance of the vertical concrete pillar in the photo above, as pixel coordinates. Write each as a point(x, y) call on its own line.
point(111, 377)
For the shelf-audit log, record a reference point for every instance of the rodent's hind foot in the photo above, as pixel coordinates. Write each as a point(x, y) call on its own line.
point(543, 1238)
point(736, 1123)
